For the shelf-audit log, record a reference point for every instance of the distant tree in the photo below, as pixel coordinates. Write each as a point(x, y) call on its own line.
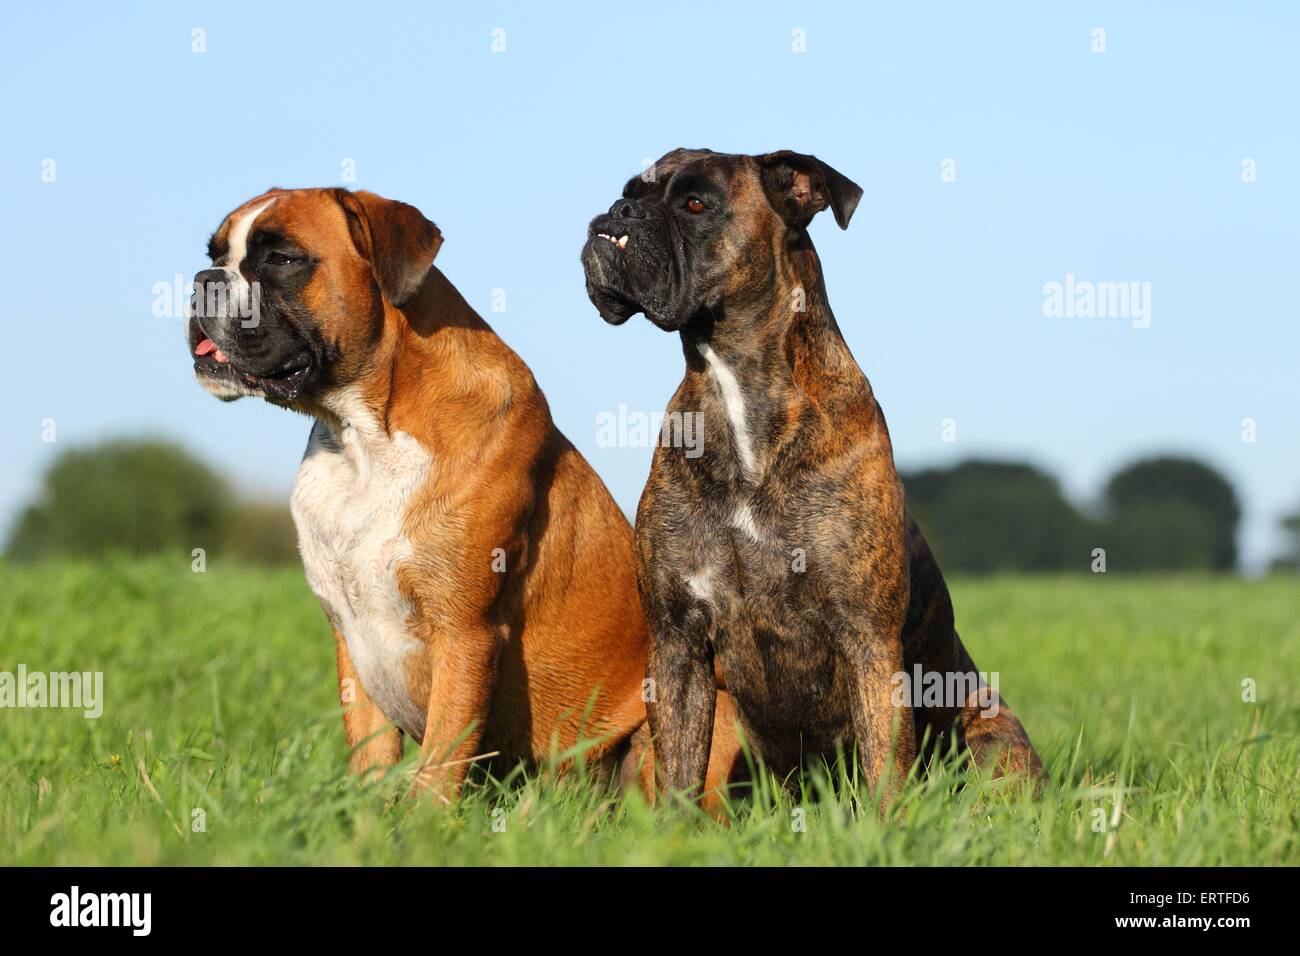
point(1159, 536)
point(262, 532)
point(129, 496)
point(1289, 559)
point(1171, 512)
point(983, 516)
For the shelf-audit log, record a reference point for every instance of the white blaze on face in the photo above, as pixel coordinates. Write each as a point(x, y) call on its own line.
point(237, 248)
point(236, 301)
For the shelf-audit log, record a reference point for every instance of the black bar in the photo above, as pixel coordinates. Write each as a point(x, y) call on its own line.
point(945, 906)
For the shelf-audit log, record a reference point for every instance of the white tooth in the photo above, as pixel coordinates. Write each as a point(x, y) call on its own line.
point(622, 243)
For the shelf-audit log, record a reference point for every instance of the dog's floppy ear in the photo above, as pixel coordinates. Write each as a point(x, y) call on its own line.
point(398, 241)
point(800, 186)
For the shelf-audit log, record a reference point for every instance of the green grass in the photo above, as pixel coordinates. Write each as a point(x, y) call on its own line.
point(220, 686)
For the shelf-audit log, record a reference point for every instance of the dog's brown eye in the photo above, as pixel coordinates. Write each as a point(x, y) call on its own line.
point(695, 205)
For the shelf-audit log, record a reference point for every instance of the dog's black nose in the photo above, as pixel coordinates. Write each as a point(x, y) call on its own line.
point(627, 209)
point(202, 278)
point(210, 294)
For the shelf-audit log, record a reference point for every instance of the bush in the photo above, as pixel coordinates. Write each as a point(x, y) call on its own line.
point(1289, 559)
point(1167, 535)
point(124, 496)
point(261, 532)
point(986, 516)
point(1175, 512)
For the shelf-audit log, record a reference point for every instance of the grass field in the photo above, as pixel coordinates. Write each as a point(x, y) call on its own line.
point(220, 710)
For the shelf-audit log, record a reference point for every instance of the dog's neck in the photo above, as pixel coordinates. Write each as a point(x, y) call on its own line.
point(779, 328)
point(765, 364)
point(435, 353)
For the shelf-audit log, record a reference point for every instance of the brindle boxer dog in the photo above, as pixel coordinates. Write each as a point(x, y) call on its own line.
point(479, 577)
point(784, 555)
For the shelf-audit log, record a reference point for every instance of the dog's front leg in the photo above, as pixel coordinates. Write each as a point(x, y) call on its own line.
point(682, 708)
point(375, 744)
point(884, 728)
point(463, 674)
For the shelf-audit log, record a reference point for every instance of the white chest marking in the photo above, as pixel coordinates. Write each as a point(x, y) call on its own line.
point(742, 519)
point(734, 402)
point(701, 585)
point(349, 503)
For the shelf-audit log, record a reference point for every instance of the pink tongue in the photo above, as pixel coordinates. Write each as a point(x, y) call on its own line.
point(206, 346)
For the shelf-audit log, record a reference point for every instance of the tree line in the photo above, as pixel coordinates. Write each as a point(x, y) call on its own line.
point(1163, 513)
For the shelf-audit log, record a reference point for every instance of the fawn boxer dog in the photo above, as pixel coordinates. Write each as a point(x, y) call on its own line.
point(479, 577)
point(783, 555)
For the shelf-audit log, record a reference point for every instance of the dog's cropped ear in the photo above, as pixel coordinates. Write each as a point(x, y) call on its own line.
point(398, 241)
point(800, 186)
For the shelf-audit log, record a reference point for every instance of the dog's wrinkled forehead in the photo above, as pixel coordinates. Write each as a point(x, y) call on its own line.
point(301, 216)
point(704, 163)
point(797, 185)
point(228, 245)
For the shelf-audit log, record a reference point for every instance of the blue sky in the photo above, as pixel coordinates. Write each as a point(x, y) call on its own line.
point(1117, 166)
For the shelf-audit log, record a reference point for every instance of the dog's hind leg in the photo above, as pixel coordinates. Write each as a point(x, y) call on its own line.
point(992, 733)
point(983, 722)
